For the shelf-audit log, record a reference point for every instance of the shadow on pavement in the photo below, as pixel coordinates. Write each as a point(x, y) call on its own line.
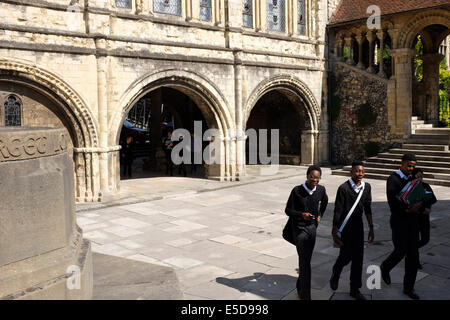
point(269, 286)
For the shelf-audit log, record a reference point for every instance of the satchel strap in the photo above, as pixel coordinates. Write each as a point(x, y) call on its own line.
point(352, 209)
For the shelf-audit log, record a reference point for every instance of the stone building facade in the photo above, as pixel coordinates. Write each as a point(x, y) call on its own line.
point(84, 64)
point(372, 104)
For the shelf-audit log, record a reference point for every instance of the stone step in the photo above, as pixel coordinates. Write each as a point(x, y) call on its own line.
point(411, 146)
point(388, 171)
point(421, 126)
point(415, 118)
point(378, 176)
point(395, 166)
point(429, 141)
point(417, 121)
point(443, 154)
point(434, 131)
point(422, 163)
point(436, 136)
point(420, 158)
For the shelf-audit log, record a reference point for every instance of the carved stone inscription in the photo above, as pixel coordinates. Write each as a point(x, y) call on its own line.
point(39, 142)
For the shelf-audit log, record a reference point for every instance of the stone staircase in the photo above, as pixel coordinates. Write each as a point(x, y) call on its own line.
point(429, 144)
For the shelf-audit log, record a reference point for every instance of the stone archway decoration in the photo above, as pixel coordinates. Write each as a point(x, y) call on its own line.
point(310, 138)
point(290, 83)
point(214, 107)
point(176, 78)
point(419, 22)
point(83, 122)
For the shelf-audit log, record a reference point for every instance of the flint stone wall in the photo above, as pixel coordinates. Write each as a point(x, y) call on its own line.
point(350, 141)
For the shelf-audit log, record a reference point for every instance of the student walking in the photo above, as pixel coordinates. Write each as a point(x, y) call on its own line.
point(353, 198)
point(405, 227)
point(305, 208)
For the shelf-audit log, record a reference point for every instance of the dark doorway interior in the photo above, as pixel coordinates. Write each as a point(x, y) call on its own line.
point(149, 121)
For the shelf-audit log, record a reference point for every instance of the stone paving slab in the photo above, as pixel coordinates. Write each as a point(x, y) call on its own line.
point(125, 279)
point(227, 236)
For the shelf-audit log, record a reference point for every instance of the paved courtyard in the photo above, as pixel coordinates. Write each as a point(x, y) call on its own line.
point(224, 239)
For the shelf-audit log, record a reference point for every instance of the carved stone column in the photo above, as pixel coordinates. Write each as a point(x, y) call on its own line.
point(307, 146)
point(370, 37)
point(360, 39)
point(380, 35)
point(403, 91)
point(430, 83)
point(339, 49)
point(349, 45)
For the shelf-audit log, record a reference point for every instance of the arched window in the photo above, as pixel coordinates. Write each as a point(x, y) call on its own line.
point(13, 112)
point(167, 6)
point(205, 10)
point(301, 21)
point(276, 17)
point(247, 13)
point(123, 4)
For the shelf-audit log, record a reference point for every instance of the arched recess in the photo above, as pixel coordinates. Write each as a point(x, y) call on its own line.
point(211, 102)
point(295, 90)
point(289, 83)
point(80, 123)
point(433, 26)
point(419, 22)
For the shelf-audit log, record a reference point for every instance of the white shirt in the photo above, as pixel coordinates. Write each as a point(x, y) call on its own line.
point(402, 175)
point(353, 184)
point(307, 189)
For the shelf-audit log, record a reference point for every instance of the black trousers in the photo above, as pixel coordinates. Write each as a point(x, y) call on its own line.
point(305, 241)
point(405, 236)
point(127, 167)
point(169, 163)
point(424, 229)
point(351, 251)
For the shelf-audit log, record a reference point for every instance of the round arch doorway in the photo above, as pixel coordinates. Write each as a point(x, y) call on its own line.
point(149, 122)
point(283, 110)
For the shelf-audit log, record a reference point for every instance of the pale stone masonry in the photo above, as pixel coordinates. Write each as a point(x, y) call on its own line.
point(42, 251)
point(89, 62)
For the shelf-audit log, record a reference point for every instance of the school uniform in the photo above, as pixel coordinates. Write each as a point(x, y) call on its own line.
point(405, 232)
point(301, 200)
point(352, 235)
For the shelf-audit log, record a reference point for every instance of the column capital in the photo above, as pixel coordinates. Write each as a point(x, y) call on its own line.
point(380, 34)
point(433, 58)
point(360, 38)
point(370, 36)
point(397, 53)
point(348, 41)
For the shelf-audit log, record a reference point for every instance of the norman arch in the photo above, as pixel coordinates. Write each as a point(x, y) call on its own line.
point(79, 121)
point(291, 84)
point(419, 22)
point(208, 98)
point(303, 101)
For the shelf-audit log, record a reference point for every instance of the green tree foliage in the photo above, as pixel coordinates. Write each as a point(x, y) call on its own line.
point(444, 92)
point(418, 60)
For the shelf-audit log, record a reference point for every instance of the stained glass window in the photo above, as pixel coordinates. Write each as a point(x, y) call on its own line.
point(301, 17)
point(247, 13)
point(276, 18)
point(12, 112)
point(205, 10)
point(167, 6)
point(123, 4)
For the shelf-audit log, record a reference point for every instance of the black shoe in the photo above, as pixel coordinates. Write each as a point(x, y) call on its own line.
point(357, 295)
point(385, 275)
point(334, 282)
point(411, 294)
